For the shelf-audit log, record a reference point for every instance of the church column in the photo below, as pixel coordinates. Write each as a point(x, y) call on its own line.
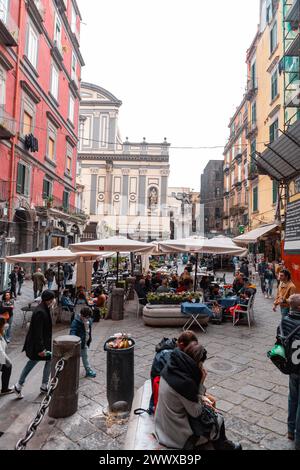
point(108, 188)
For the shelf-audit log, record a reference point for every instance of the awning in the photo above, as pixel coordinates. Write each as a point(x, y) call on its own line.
point(281, 160)
point(254, 235)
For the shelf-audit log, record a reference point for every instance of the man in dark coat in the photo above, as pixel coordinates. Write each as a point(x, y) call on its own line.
point(13, 282)
point(38, 343)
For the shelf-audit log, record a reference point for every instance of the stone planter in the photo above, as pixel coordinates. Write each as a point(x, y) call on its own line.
point(167, 315)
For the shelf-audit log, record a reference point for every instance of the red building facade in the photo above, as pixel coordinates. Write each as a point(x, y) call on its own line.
point(40, 69)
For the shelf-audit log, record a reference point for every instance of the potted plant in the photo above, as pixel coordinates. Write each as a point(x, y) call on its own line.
point(49, 201)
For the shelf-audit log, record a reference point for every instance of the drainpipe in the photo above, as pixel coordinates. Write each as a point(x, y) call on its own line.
point(15, 112)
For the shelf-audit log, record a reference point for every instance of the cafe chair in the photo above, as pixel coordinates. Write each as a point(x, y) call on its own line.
point(240, 313)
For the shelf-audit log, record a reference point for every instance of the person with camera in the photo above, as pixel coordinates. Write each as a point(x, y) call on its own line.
point(38, 343)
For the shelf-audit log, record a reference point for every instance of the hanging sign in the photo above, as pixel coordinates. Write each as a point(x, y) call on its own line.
point(292, 230)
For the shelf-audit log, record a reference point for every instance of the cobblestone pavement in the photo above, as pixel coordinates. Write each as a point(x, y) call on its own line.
point(251, 393)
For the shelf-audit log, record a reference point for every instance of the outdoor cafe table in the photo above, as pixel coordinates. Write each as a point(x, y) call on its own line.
point(228, 302)
point(195, 312)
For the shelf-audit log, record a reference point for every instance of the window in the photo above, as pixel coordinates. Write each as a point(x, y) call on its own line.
point(104, 131)
point(22, 179)
point(268, 14)
point(71, 109)
point(273, 38)
point(27, 123)
point(74, 67)
point(275, 191)
point(57, 32)
point(253, 148)
point(3, 10)
point(66, 200)
point(239, 173)
point(217, 213)
point(51, 149)
point(47, 189)
point(32, 46)
point(274, 131)
point(73, 18)
point(253, 113)
point(54, 82)
point(274, 85)
point(255, 199)
point(253, 75)
point(69, 165)
point(2, 87)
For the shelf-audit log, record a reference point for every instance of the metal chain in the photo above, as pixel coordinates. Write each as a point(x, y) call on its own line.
point(59, 366)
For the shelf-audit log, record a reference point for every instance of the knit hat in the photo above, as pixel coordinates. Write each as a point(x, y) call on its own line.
point(47, 295)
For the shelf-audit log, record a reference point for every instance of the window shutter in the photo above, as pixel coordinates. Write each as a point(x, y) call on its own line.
point(20, 178)
point(26, 181)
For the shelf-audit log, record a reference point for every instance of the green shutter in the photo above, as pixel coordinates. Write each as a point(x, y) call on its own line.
point(255, 199)
point(19, 178)
point(275, 191)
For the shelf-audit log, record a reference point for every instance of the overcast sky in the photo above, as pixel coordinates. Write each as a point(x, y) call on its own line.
point(178, 67)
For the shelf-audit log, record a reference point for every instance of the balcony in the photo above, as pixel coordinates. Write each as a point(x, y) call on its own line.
point(62, 5)
point(9, 31)
point(238, 155)
point(293, 13)
point(226, 167)
point(253, 172)
point(57, 51)
point(4, 191)
point(251, 129)
point(7, 125)
point(55, 203)
point(76, 36)
point(74, 82)
point(234, 210)
point(251, 89)
point(37, 12)
point(292, 99)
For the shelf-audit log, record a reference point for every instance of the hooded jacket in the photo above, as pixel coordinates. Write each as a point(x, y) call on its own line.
point(39, 336)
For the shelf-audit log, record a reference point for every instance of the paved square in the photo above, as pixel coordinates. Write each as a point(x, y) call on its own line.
point(252, 394)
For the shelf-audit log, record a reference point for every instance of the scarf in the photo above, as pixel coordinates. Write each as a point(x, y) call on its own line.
point(182, 375)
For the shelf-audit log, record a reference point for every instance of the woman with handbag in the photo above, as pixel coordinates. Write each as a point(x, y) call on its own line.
point(184, 415)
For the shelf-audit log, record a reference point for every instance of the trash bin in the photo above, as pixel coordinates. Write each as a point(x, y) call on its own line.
point(119, 374)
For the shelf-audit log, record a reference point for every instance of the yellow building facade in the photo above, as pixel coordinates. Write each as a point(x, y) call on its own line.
point(265, 96)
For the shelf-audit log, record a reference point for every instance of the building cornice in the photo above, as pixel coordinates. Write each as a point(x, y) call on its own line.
point(129, 158)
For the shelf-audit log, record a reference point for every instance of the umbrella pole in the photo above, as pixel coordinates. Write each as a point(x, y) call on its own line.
point(196, 270)
point(58, 284)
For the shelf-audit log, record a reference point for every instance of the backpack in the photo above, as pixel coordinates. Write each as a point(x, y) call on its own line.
point(163, 350)
point(284, 354)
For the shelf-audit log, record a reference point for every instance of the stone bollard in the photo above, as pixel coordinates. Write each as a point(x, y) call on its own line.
point(118, 304)
point(64, 401)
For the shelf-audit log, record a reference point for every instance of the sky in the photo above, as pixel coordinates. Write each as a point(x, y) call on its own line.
point(177, 66)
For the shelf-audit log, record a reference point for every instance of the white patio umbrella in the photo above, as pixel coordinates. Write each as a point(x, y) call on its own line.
point(57, 255)
point(117, 244)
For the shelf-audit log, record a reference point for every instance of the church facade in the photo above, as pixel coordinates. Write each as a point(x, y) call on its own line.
point(125, 183)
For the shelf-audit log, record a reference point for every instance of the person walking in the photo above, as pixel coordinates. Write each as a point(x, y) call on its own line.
point(82, 327)
point(39, 282)
point(68, 273)
point(7, 305)
point(38, 343)
point(289, 324)
point(5, 362)
point(285, 290)
point(269, 281)
point(13, 281)
point(244, 269)
point(21, 278)
point(262, 266)
point(49, 276)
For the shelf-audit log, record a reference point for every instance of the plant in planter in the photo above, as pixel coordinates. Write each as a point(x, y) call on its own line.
point(173, 299)
point(49, 201)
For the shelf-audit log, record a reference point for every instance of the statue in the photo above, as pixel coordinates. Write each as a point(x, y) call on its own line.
point(153, 197)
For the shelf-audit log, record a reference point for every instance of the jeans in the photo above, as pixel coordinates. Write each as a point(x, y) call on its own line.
point(6, 373)
point(284, 311)
point(50, 285)
point(37, 292)
point(8, 332)
point(20, 287)
point(262, 284)
point(13, 291)
point(28, 368)
point(269, 286)
point(85, 359)
point(294, 407)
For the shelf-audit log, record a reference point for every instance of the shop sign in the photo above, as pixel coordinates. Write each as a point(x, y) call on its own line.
point(292, 230)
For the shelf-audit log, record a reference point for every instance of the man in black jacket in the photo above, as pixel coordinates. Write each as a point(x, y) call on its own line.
point(38, 343)
point(290, 323)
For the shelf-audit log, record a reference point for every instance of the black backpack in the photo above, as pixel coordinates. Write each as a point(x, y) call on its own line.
point(290, 364)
